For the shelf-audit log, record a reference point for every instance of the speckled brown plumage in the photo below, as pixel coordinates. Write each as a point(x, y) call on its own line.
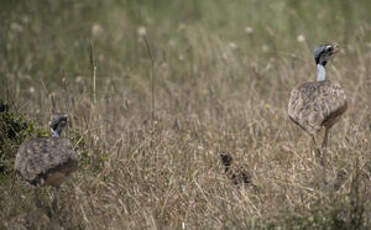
point(46, 160)
point(313, 105)
point(237, 175)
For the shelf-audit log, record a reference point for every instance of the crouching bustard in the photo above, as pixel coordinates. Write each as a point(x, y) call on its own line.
point(47, 160)
point(317, 105)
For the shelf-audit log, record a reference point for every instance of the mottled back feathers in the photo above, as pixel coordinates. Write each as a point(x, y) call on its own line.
point(316, 104)
point(46, 160)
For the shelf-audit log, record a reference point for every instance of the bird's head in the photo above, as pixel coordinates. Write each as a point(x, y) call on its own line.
point(57, 123)
point(226, 159)
point(323, 53)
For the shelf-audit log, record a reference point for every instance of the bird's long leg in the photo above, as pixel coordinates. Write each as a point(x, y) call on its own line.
point(316, 148)
point(55, 200)
point(37, 198)
point(322, 153)
point(324, 146)
point(325, 138)
point(320, 156)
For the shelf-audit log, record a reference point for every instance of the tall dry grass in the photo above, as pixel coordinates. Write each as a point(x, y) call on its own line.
point(212, 96)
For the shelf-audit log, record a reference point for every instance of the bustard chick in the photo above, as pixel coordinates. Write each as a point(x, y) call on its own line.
point(47, 160)
point(319, 104)
point(237, 175)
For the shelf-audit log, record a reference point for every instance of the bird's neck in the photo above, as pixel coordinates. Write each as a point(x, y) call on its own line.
point(321, 72)
point(55, 132)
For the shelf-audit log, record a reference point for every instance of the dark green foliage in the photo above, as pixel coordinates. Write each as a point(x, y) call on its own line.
point(14, 129)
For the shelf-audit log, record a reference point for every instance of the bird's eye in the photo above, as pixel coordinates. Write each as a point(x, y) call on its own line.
point(330, 49)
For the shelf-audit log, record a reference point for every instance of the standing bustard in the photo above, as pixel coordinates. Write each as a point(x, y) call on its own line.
point(47, 160)
point(316, 105)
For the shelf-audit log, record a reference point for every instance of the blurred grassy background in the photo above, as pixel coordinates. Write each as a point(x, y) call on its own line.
point(54, 35)
point(223, 72)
